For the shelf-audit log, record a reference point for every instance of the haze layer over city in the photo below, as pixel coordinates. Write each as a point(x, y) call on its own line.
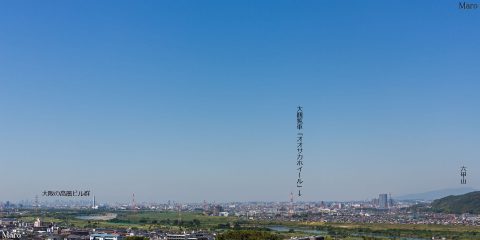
point(196, 100)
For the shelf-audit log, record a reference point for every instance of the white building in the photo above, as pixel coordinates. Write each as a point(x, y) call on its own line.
point(223, 214)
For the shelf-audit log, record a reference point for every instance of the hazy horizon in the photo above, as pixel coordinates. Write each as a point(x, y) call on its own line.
point(138, 199)
point(196, 100)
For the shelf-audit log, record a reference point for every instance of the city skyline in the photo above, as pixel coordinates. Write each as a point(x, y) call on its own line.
point(197, 101)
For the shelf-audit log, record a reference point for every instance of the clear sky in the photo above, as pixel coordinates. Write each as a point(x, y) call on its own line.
point(196, 100)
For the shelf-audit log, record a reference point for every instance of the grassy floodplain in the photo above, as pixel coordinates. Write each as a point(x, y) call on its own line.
point(196, 220)
point(390, 230)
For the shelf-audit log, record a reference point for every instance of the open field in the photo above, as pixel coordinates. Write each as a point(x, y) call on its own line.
point(174, 221)
point(392, 230)
point(129, 219)
point(170, 217)
point(387, 226)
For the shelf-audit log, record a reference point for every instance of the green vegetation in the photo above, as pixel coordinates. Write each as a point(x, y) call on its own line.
point(137, 238)
point(466, 203)
point(166, 218)
point(249, 235)
point(226, 226)
point(383, 231)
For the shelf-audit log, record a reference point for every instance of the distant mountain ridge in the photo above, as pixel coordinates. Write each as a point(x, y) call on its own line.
point(466, 203)
point(437, 194)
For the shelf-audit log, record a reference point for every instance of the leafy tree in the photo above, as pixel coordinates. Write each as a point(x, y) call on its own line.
point(196, 222)
point(136, 238)
point(248, 235)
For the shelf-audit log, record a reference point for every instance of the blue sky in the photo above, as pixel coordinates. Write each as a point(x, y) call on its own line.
point(196, 100)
